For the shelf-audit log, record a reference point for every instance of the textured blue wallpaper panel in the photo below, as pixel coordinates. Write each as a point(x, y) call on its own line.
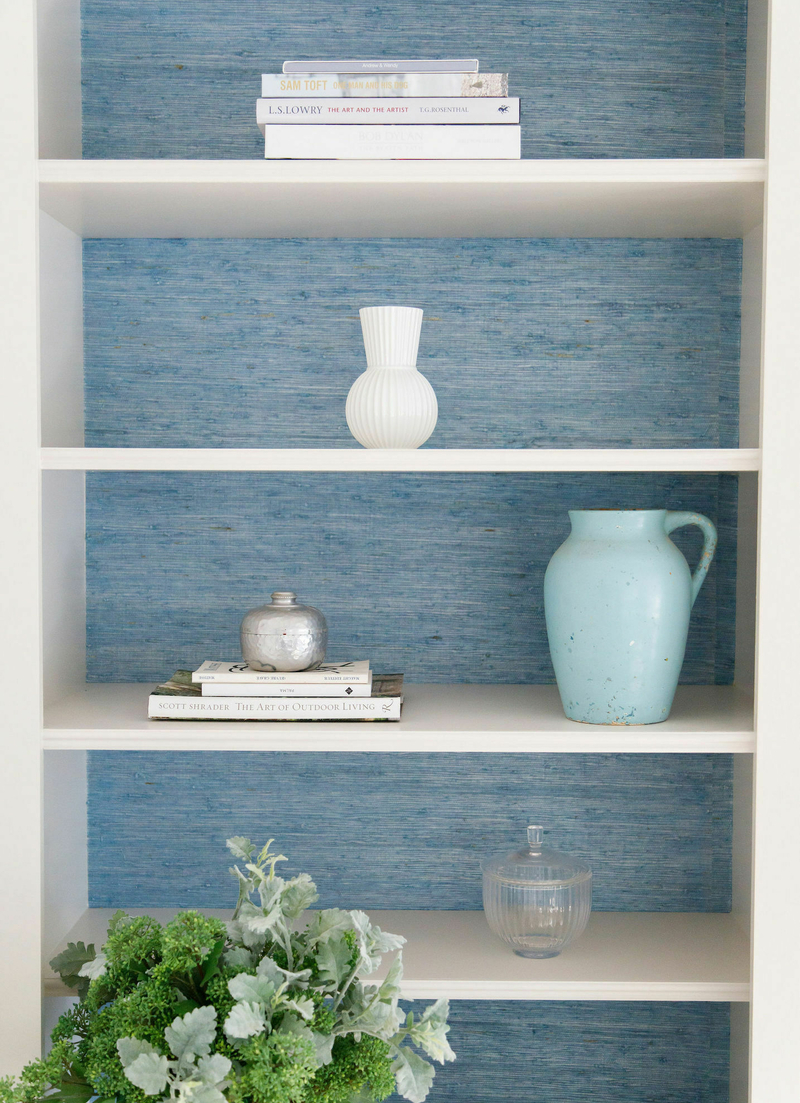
point(528, 344)
point(436, 575)
point(585, 1052)
point(407, 830)
point(616, 79)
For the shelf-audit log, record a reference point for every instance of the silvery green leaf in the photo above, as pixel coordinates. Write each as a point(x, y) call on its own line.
point(131, 1048)
point(390, 989)
point(299, 894)
point(323, 1047)
point(192, 1034)
point(333, 960)
point(380, 1019)
point(270, 971)
point(234, 929)
point(244, 1020)
point(305, 1008)
point(327, 923)
point(149, 1072)
point(205, 1093)
point(270, 892)
point(213, 1070)
point(373, 942)
point(94, 968)
point(413, 1074)
point(254, 989)
point(239, 958)
point(240, 847)
point(262, 923)
point(273, 972)
point(430, 1032)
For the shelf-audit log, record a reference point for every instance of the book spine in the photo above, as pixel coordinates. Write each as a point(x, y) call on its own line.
point(299, 677)
point(340, 85)
point(369, 143)
point(342, 689)
point(438, 109)
point(414, 65)
point(263, 708)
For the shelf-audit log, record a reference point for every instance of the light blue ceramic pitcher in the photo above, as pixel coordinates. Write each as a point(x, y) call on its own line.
point(617, 599)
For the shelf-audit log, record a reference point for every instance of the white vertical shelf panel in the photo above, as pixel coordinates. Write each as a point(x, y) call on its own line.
point(552, 198)
point(775, 1025)
point(20, 744)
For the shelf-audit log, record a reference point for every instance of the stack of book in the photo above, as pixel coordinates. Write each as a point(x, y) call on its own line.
point(368, 110)
point(232, 691)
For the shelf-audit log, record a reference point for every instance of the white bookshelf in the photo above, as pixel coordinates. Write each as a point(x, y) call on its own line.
point(44, 742)
point(392, 459)
point(594, 198)
point(446, 718)
point(620, 956)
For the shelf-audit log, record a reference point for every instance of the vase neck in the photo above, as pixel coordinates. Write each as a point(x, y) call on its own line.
point(391, 335)
point(617, 524)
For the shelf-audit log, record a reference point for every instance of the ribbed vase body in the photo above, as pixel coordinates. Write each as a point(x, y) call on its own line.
point(391, 405)
point(537, 920)
point(536, 899)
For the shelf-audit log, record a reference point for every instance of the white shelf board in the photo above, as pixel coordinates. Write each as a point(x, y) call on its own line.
point(395, 459)
point(552, 198)
point(620, 956)
point(447, 718)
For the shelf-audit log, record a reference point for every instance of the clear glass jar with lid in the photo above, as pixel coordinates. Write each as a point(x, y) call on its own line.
point(536, 899)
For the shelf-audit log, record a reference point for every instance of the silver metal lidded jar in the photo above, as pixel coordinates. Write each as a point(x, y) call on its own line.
point(284, 635)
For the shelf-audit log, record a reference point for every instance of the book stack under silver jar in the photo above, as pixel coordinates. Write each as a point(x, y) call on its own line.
point(220, 690)
point(423, 109)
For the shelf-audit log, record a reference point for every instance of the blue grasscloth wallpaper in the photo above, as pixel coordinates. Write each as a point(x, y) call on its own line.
point(585, 1052)
point(619, 79)
point(436, 575)
point(528, 344)
point(408, 830)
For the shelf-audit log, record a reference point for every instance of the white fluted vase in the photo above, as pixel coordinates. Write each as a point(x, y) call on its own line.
point(391, 405)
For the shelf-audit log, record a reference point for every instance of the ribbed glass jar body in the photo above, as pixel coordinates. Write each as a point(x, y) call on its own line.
point(537, 900)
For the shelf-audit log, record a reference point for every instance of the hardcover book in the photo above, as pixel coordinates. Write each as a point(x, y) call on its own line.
point(385, 65)
point(338, 85)
point(214, 671)
point(438, 109)
point(287, 689)
point(399, 142)
point(182, 699)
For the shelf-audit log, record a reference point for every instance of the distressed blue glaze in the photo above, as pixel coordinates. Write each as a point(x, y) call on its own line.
point(585, 1052)
point(408, 830)
point(617, 598)
point(618, 79)
point(436, 575)
point(528, 344)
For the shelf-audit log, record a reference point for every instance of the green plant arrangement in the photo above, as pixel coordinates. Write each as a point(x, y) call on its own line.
point(253, 1010)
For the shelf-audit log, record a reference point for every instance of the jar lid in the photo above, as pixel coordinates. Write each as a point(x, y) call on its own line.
point(536, 864)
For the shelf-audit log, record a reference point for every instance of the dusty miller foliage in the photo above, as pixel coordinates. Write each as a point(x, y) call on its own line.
point(255, 1010)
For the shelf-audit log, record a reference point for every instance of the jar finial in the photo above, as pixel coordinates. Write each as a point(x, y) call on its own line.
point(535, 836)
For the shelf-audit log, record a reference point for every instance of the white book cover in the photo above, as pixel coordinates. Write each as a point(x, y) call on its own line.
point(384, 84)
point(431, 109)
point(371, 143)
point(385, 65)
point(286, 689)
point(217, 671)
point(164, 707)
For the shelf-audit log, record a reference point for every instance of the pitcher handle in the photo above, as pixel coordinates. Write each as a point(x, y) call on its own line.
point(676, 519)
